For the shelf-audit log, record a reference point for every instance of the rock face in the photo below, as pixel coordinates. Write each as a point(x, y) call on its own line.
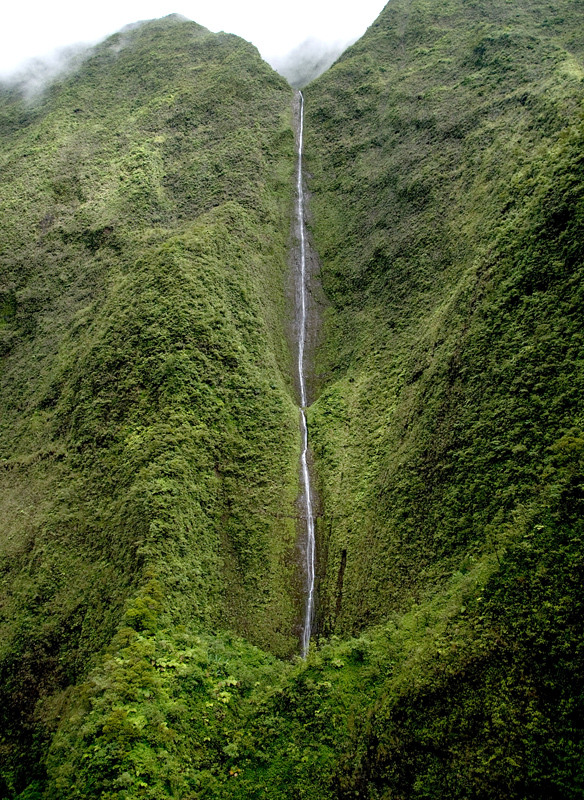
point(150, 594)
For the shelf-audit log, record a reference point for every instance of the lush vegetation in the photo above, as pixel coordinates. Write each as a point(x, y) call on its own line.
point(148, 425)
point(446, 149)
point(150, 588)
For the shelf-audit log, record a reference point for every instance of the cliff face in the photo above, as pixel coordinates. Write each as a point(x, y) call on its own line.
point(149, 448)
point(448, 208)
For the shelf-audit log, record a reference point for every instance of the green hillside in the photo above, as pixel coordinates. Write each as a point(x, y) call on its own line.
point(148, 429)
point(447, 207)
point(448, 212)
point(150, 593)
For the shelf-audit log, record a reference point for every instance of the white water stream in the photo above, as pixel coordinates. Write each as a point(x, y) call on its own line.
point(302, 320)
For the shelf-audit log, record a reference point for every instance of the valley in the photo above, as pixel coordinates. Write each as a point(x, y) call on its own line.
point(246, 555)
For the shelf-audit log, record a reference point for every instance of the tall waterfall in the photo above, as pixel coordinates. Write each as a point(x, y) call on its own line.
point(302, 321)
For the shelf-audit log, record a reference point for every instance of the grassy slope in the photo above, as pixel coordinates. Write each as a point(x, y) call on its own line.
point(147, 423)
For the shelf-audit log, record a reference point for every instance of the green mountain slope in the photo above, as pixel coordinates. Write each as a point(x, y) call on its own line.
point(448, 208)
point(148, 429)
point(150, 590)
point(446, 153)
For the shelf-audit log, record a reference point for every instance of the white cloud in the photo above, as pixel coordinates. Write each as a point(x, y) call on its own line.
point(39, 27)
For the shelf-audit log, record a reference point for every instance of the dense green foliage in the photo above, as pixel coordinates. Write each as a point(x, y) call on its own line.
point(448, 213)
point(447, 156)
point(147, 420)
point(150, 440)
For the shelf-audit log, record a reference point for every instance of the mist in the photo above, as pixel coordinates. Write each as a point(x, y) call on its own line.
point(308, 60)
point(299, 66)
point(44, 31)
point(34, 75)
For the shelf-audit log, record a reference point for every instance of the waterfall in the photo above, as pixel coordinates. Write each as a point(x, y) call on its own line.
point(302, 321)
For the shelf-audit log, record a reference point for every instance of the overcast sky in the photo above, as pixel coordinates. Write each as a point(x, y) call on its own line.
point(38, 27)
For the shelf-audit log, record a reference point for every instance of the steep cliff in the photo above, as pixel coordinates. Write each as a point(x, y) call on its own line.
point(447, 205)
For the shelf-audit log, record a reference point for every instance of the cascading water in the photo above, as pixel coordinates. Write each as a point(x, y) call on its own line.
point(302, 321)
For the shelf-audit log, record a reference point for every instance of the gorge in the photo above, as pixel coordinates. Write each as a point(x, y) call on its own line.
point(159, 634)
